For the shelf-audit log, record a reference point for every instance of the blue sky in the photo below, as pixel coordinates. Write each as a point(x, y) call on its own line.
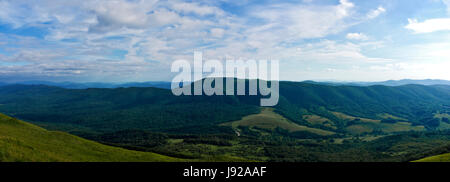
point(137, 40)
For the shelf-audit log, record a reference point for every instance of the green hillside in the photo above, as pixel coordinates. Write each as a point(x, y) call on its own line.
point(108, 110)
point(20, 141)
point(415, 103)
point(268, 119)
point(436, 158)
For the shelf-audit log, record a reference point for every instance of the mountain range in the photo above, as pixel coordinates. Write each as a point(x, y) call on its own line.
point(84, 85)
point(167, 85)
point(386, 83)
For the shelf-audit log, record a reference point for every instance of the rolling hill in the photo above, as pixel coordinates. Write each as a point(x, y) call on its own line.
point(106, 110)
point(154, 109)
point(76, 85)
point(21, 141)
point(389, 82)
point(415, 103)
point(436, 158)
point(270, 120)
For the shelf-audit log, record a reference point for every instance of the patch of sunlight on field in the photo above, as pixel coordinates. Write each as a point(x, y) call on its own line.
point(436, 158)
point(442, 115)
point(389, 116)
point(268, 119)
point(366, 125)
point(318, 120)
point(351, 118)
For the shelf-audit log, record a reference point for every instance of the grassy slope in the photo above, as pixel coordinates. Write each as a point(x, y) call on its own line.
point(270, 120)
point(21, 141)
point(368, 125)
point(436, 158)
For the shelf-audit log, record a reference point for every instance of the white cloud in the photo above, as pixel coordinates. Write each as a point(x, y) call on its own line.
point(153, 33)
point(118, 14)
point(18, 13)
point(288, 22)
point(334, 52)
point(217, 32)
point(356, 36)
point(428, 26)
point(195, 8)
point(375, 13)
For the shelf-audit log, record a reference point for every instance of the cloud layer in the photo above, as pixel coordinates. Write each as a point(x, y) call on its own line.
point(136, 40)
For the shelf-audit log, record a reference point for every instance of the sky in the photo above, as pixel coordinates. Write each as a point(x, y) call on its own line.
point(137, 40)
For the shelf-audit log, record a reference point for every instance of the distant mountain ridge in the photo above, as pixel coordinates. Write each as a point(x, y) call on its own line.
point(85, 85)
point(387, 83)
point(167, 84)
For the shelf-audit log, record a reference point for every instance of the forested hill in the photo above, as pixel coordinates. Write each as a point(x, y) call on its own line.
point(121, 108)
point(154, 109)
point(416, 103)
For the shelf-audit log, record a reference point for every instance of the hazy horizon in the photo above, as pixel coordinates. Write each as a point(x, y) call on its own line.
point(168, 81)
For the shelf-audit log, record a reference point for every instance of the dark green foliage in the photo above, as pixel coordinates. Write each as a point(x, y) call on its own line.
point(208, 140)
point(298, 134)
point(413, 102)
point(109, 110)
point(396, 148)
point(153, 109)
point(445, 120)
point(431, 122)
point(133, 138)
point(304, 135)
point(202, 129)
point(245, 130)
